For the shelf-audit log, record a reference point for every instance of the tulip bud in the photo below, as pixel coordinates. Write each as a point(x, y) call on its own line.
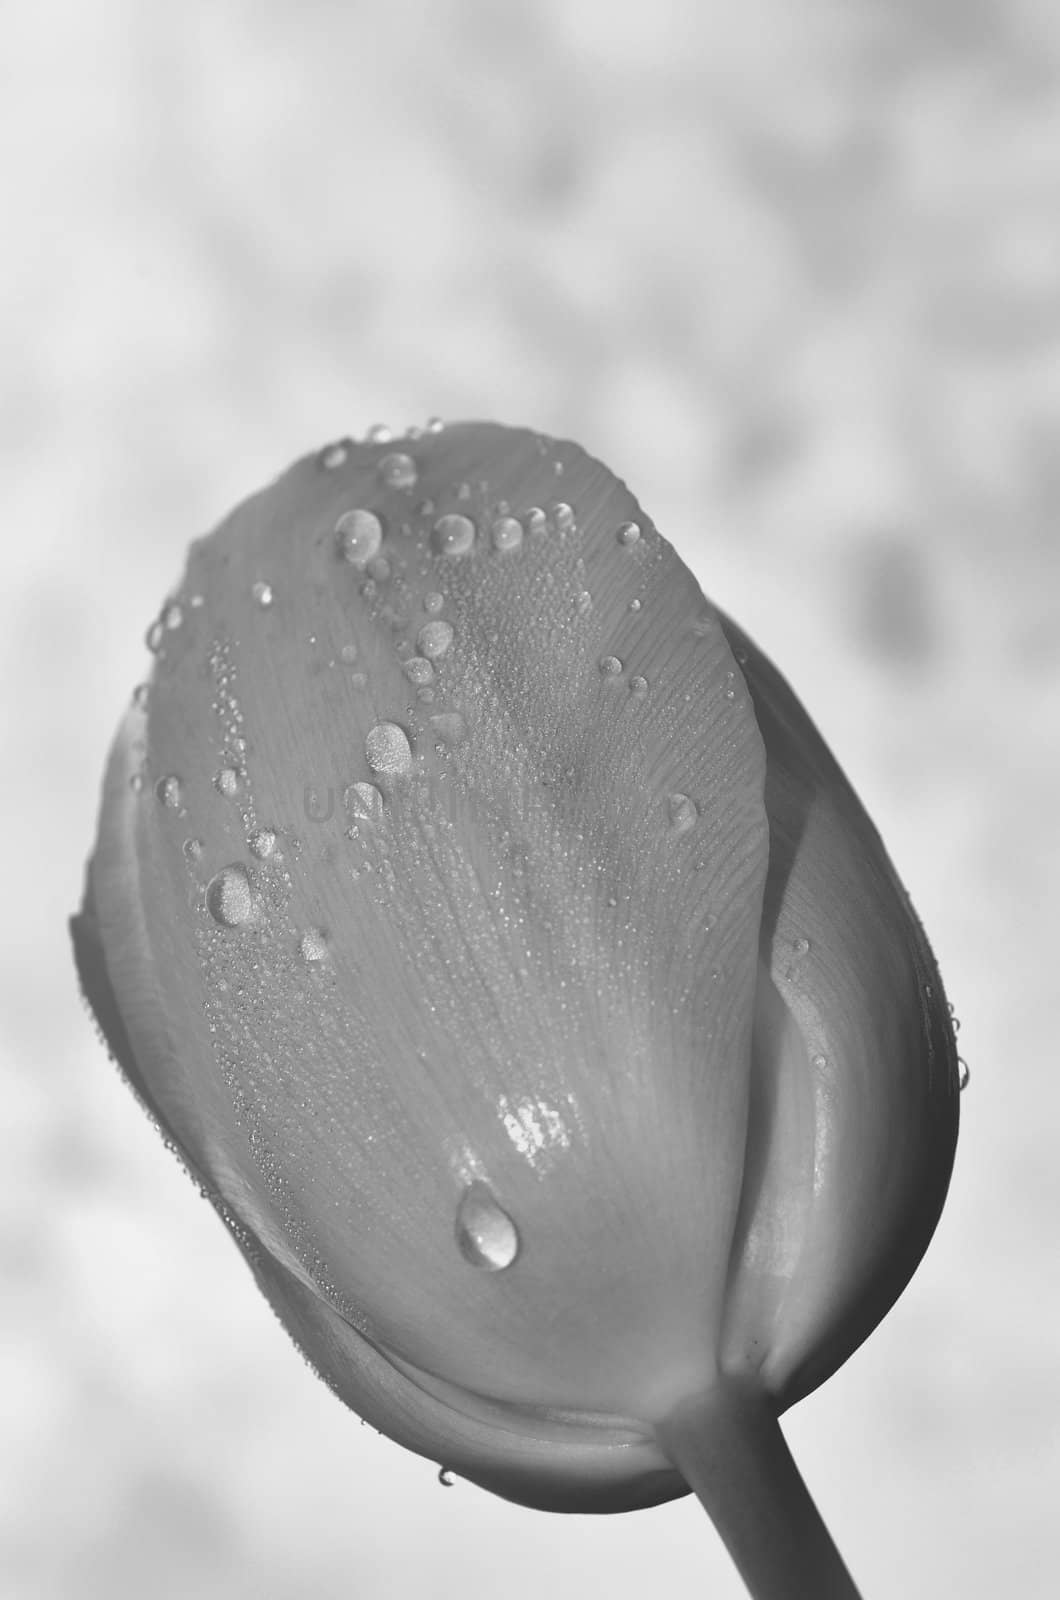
point(486, 924)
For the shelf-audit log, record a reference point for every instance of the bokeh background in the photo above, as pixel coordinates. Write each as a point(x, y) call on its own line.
point(793, 271)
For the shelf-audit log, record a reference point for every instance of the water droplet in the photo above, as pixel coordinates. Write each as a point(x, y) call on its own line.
point(449, 726)
point(801, 945)
point(683, 812)
point(563, 516)
point(628, 533)
point(638, 685)
point(172, 615)
point(154, 636)
point(434, 639)
point(443, 1477)
point(610, 666)
point(634, 605)
point(379, 433)
point(486, 1234)
point(964, 1074)
point(227, 782)
point(136, 782)
point(348, 653)
point(364, 801)
point(229, 897)
point(387, 750)
point(168, 791)
point(333, 455)
point(398, 470)
point(192, 849)
point(262, 593)
point(820, 1061)
point(360, 535)
point(262, 843)
point(313, 945)
point(419, 670)
point(507, 533)
point(433, 602)
point(197, 600)
point(583, 603)
point(358, 680)
point(536, 521)
point(140, 695)
point(454, 534)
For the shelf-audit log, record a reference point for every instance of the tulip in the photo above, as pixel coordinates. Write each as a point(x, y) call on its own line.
point(487, 927)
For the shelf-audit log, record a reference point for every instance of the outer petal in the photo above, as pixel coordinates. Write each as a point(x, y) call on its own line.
point(855, 1094)
point(529, 967)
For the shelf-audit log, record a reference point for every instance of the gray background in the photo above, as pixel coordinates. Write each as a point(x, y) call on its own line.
point(793, 271)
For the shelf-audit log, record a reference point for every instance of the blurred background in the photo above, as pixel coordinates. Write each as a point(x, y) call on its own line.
point(792, 271)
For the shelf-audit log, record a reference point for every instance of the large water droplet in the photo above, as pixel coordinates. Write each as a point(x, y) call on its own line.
point(454, 534)
point(387, 750)
point(229, 897)
point(360, 534)
point(168, 791)
point(313, 945)
point(434, 638)
point(610, 666)
point(563, 516)
point(418, 670)
point(397, 470)
point(485, 1233)
point(227, 782)
point(363, 800)
point(628, 533)
point(683, 812)
point(536, 521)
point(507, 533)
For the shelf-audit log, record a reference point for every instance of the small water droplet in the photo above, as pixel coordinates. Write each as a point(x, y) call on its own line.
point(628, 533)
point(434, 638)
point(634, 605)
point(154, 636)
point(683, 812)
point(454, 534)
point(358, 680)
point(435, 424)
point(140, 695)
point(387, 750)
point(485, 1233)
point(168, 791)
point(820, 1061)
point(964, 1074)
point(563, 516)
point(227, 782)
point(364, 801)
point(536, 521)
point(398, 470)
point(583, 603)
point(360, 535)
point(638, 685)
point(172, 615)
point(443, 1477)
point(800, 946)
point(433, 602)
point(379, 433)
point(449, 726)
point(192, 848)
point(263, 843)
point(610, 666)
point(136, 783)
point(334, 455)
point(348, 653)
point(229, 897)
point(262, 593)
point(313, 945)
point(419, 670)
point(507, 533)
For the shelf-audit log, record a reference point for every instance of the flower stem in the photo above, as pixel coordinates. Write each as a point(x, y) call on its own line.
point(728, 1446)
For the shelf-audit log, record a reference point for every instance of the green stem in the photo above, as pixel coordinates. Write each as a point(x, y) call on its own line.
point(728, 1447)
